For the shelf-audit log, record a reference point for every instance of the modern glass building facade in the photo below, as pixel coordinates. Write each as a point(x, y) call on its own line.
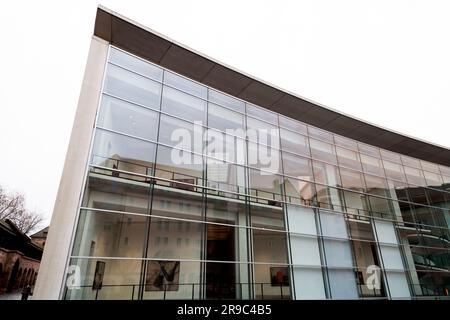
point(191, 193)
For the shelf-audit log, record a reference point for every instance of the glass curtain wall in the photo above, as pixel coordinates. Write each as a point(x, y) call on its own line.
point(193, 194)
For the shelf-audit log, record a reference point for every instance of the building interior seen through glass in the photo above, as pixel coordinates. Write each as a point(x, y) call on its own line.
point(193, 194)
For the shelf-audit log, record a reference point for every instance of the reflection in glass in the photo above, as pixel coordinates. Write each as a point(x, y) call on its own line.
point(132, 87)
point(183, 105)
point(294, 142)
point(323, 151)
point(120, 152)
point(127, 118)
point(106, 234)
point(135, 64)
point(185, 84)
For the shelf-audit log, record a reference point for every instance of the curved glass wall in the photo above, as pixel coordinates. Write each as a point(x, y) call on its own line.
point(191, 193)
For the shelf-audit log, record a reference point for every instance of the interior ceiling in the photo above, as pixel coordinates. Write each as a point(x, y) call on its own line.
point(135, 39)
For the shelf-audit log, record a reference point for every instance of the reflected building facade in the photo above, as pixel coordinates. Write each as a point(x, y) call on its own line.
point(192, 193)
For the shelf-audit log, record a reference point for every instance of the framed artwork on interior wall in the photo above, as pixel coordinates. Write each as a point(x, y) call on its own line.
point(279, 276)
point(98, 276)
point(162, 275)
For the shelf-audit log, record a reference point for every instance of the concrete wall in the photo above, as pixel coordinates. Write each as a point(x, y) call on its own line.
point(51, 274)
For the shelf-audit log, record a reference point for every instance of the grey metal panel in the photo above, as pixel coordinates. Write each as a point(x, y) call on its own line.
point(138, 41)
point(149, 45)
point(261, 94)
point(186, 62)
point(226, 80)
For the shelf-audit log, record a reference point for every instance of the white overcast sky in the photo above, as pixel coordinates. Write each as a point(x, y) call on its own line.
point(387, 62)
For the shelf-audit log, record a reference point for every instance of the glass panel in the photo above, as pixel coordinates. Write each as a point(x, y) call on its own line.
point(132, 87)
point(356, 203)
point(168, 279)
point(181, 134)
point(297, 167)
point(104, 234)
point(292, 124)
point(301, 220)
point(388, 155)
point(263, 185)
point(183, 173)
point(370, 150)
point(299, 191)
point(392, 259)
point(377, 186)
point(268, 217)
point(226, 147)
point(135, 64)
point(444, 170)
point(322, 151)
point(433, 180)
point(125, 117)
point(398, 285)
point(372, 165)
point(394, 171)
point(428, 166)
point(116, 151)
point(177, 204)
point(183, 105)
point(320, 134)
point(414, 176)
point(226, 177)
point(333, 225)
point(269, 246)
point(308, 283)
point(116, 194)
point(225, 120)
point(345, 142)
point(120, 279)
point(185, 85)
point(263, 132)
point(305, 251)
point(262, 113)
point(294, 142)
point(348, 158)
point(264, 157)
point(226, 101)
point(338, 253)
point(272, 281)
point(410, 161)
point(381, 208)
point(385, 232)
point(330, 198)
point(342, 284)
point(352, 180)
point(172, 239)
point(326, 174)
point(417, 195)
